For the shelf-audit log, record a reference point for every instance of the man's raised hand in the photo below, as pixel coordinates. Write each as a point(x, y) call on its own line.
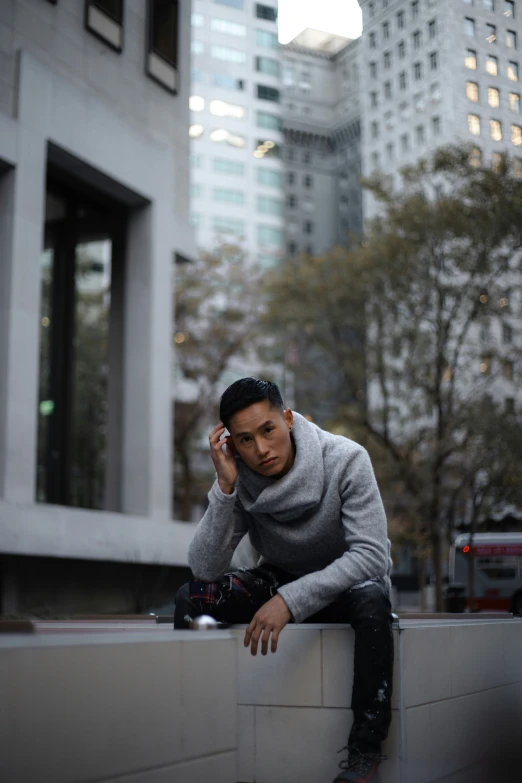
point(223, 456)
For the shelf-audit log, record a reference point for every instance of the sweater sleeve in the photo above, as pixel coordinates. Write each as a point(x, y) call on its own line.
point(217, 535)
point(365, 532)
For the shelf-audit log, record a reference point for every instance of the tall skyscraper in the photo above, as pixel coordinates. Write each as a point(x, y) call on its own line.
point(236, 128)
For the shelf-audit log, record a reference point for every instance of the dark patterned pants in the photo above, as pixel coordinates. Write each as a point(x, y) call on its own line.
point(366, 606)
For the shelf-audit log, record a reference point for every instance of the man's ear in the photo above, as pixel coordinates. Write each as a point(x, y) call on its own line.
point(289, 418)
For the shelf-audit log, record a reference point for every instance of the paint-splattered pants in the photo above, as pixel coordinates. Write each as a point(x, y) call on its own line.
point(366, 606)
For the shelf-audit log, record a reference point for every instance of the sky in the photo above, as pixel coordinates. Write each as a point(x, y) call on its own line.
point(334, 16)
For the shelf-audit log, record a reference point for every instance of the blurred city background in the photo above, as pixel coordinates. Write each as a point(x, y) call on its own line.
point(327, 195)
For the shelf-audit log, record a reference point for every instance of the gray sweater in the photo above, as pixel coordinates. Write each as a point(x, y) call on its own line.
point(323, 522)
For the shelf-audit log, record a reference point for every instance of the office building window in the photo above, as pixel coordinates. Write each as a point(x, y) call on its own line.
point(516, 135)
point(385, 30)
point(492, 65)
point(387, 90)
point(509, 8)
point(197, 47)
point(225, 166)
point(196, 191)
point(419, 134)
point(196, 131)
point(469, 26)
point(271, 121)
point(402, 80)
point(197, 20)
point(197, 75)
point(432, 28)
point(223, 136)
point(496, 161)
point(417, 39)
point(196, 161)
point(472, 91)
point(514, 102)
point(268, 65)
point(308, 181)
point(266, 39)
point(508, 369)
point(387, 59)
point(507, 334)
point(225, 109)
point(307, 158)
point(495, 130)
point(475, 158)
point(269, 177)
point(471, 60)
point(401, 50)
point(375, 130)
point(375, 161)
point(291, 201)
point(511, 39)
point(231, 3)
point(162, 57)
point(308, 227)
point(435, 125)
point(390, 151)
point(371, 9)
point(372, 40)
point(417, 71)
point(265, 93)
point(434, 61)
point(269, 206)
point(373, 99)
point(268, 235)
point(267, 149)
point(227, 54)
point(415, 9)
point(400, 20)
point(493, 97)
point(104, 18)
point(228, 196)
point(512, 71)
point(266, 12)
point(228, 27)
point(474, 124)
point(196, 103)
point(405, 142)
point(489, 5)
point(227, 82)
point(373, 69)
point(435, 92)
point(491, 33)
point(292, 248)
point(228, 225)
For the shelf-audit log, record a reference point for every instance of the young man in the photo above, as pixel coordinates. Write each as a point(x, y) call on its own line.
point(310, 504)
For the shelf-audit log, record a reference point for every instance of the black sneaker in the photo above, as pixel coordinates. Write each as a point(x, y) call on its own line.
point(360, 767)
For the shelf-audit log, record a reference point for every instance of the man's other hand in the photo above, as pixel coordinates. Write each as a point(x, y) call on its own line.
point(223, 456)
point(270, 619)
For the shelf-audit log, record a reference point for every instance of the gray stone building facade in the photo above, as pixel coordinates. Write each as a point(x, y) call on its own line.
point(94, 179)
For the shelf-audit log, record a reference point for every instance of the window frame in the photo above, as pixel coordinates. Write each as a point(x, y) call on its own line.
point(157, 67)
point(93, 25)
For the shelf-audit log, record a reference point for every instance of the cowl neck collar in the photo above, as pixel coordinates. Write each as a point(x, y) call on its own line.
point(294, 494)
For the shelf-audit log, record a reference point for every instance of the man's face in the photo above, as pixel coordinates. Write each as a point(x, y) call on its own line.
point(261, 436)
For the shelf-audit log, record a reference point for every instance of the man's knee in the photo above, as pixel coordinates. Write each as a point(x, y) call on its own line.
point(183, 595)
point(371, 600)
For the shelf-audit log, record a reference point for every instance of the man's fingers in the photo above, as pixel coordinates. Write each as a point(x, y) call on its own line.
point(275, 638)
point(265, 639)
point(255, 639)
point(249, 631)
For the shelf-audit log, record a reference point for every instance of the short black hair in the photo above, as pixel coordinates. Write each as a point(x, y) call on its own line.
point(246, 392)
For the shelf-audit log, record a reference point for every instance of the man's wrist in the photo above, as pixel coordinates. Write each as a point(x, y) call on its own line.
point(226, 489)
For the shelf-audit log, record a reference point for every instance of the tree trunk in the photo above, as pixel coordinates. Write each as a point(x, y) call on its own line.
point(187, 482)
point(471, 562)
point(436, 548)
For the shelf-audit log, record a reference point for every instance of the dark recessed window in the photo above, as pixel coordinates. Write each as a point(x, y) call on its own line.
point(162, 56)
point(266, 12)
point(104, 18)
point(268, 93)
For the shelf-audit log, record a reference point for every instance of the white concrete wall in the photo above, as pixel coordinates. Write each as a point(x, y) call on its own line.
point(139, 707)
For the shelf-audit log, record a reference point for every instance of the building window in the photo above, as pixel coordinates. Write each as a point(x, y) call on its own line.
point(493, 97)
point(474, 124)
point(267, 149)
point(434, 61)
point(373, 40)
point(435, 92)
point(432, 28)
point(516, 135)
point(223, 136)
point(375, 161)
point(387, 59)
point(475, 158)
point(104, 18)
point(266, 39)
point(265, 93)
point(162, 59)
point(268, 65)
point(227, 196)
point(417, 71)
point(402, 80)
point(268, 235)
point(472, 91)
point(373, 69)
point(225, 109)
point(267, 205)
point(225, 166)
point(308, 227)
point(401, 49)
point(292, 248)
point(231, 3)
point(417, 39)
point(196, 131)
point(228, 225)
point(405, 142)
point(469, 26)
point(509, 8)
point(495, 130)
point(512, 71)
point(197, 47)
point(400, 20)
point(227, 54)
point(508, 368)
point(270, 121)
point(491, 33)
point(308, 181)
point(227, 27)
point(196, 190)
point(496, 161)
point(196, 161)
point(307, 158)
point(390, 151)
point(387, 90)
point(419, 134)
point(270, 177)
point(514, 102)
point(415, 9)
point(266, 12)
point(485, 365)
point(435, 124)
point(511, 39)
point(386, 30)
point(492, 65)
point(196, 103)
point(291, 201)
point(507, 334)
point(197, 20)
point(227, 82)
point(375, 130)
point(290, 178)
point(373, 99)
point(489, 5)
point(471, 60)
point(371, 10)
